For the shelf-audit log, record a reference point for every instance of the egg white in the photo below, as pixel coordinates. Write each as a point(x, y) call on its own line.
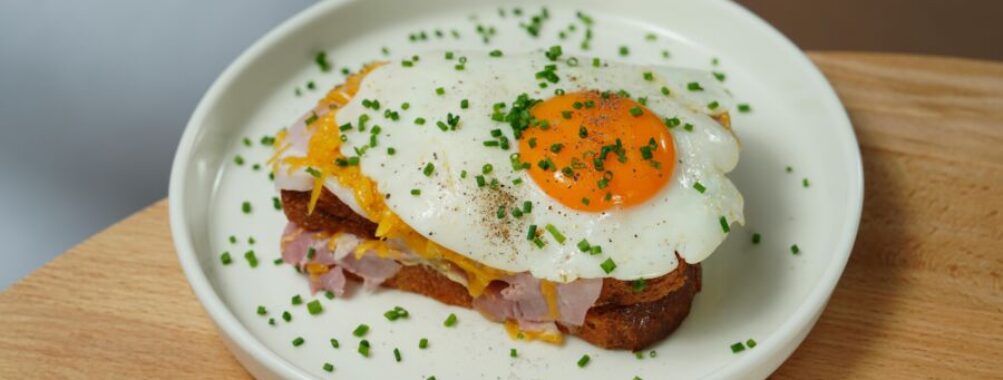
point(453, 211)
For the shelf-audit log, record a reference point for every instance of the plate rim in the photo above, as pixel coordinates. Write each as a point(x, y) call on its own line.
point(793, 329)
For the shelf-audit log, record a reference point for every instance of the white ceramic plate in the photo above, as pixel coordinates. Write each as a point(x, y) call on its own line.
point(760, 292)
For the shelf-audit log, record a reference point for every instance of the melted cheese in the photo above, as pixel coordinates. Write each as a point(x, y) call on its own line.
point(549, 290)
point(323, 150)
point(514, 332)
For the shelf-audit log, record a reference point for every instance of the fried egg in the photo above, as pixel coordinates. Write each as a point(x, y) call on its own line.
point(563, 167)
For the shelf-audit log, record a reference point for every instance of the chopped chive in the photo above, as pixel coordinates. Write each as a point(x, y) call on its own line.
point(286, 316)
point(737, 347)
point(245, 207)
point(364, 348)
point(329, 294)
point(665, 91)
point(297, 300)
point(724, 225)
point(688, 127)
point(487, 168)
point(416, 192)
point(555, 233)
point(538, 242)
point(298, 341)
point(638, 285)
point(636, 111)
point(314, 307)
point(527, 207)
point(361, 330)
point(321, 60)
point(397, 354)
point(719, 76)
point(423, 343)
point(694, 86)
point(450, 321)
point(532, 232)
point(583, 361)
point(440, 91)
point(312, 172)
point(495, 53)
point(608, 266)
point(419, 121)
point(311, 252)
point(699, 187)
point(805, 183)
point(464, 104)
point(624, 51)
point(335, 343)
point(513, 353)
point(595, 250)
point(744, 108)
point(262, 311)
point(649, 76)
point(428, 170)
point(233, 239)
point(328, 367)
point(713, 105)
point(225, 258)
point(501, 212)
point(795, 250)
point(277, 261)
point(276, 203)
point(252, 260)
point(584, 245)
point(756, 238)
point(789, 169)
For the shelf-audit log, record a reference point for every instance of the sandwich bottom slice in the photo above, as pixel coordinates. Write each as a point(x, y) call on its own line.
point(627, 315)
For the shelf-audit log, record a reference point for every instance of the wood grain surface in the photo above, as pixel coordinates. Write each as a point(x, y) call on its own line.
point(922, 296)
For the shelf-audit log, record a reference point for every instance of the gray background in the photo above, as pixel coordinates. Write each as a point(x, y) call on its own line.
point(94, 94)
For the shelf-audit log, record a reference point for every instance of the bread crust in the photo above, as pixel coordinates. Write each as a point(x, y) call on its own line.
point(625, 316)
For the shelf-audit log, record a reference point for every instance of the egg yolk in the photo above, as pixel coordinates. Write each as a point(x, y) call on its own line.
point(594, 151)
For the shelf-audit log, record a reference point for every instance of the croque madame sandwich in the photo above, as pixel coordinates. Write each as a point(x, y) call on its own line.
point(553, 194)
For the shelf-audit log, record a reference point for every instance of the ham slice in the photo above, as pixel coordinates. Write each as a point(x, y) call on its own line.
point(334, 280)
point(371, 268)
point(522, 300)
point(519, 298)
point(296, 245)
point(575, 298)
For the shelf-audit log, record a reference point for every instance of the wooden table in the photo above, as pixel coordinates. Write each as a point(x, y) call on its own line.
point(922, 296)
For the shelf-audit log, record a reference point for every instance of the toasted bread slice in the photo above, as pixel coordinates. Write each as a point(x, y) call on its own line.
point(624, 317)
